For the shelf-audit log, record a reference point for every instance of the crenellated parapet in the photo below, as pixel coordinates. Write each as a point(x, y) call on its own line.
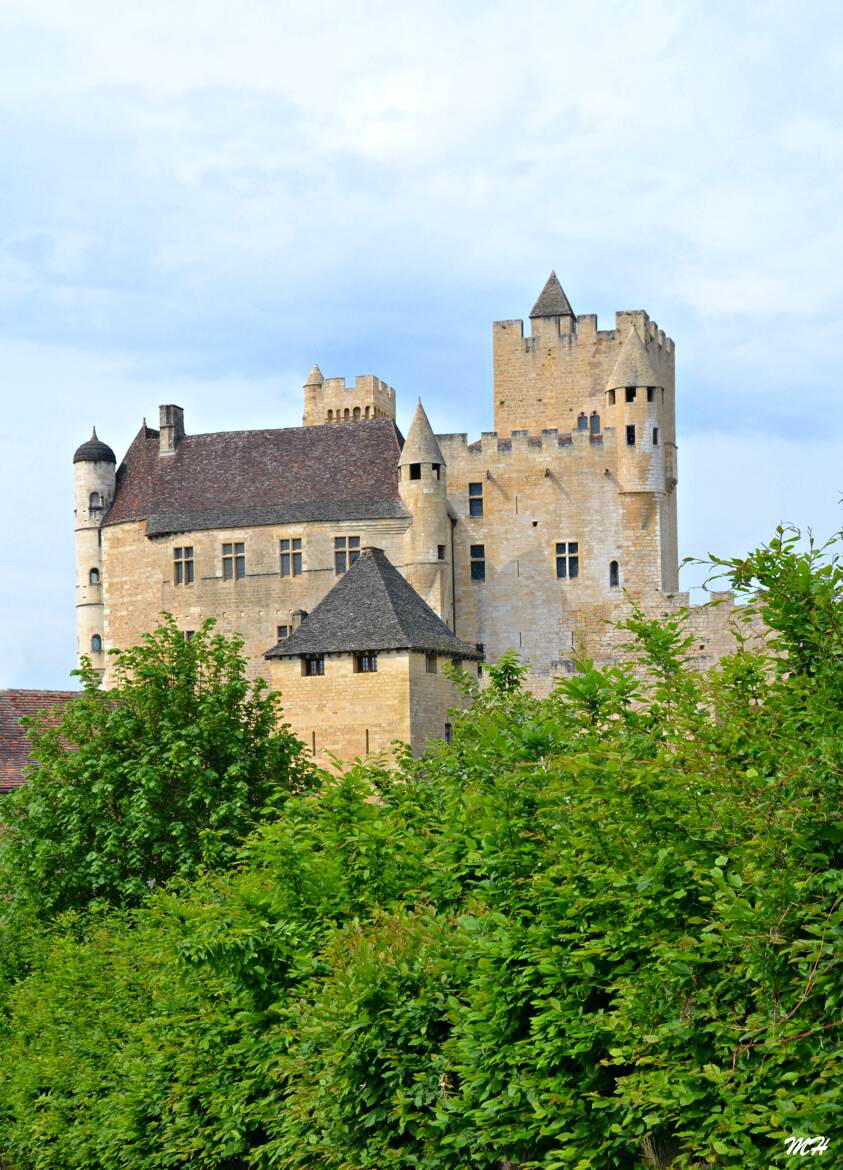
point(330, 400)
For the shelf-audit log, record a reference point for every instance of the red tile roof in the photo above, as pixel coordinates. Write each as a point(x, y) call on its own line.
point(339, 471)
point(14, 742)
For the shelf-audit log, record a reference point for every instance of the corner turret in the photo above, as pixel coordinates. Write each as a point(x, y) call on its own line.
point(94, 474)
point(329, 400)
point(423, 486)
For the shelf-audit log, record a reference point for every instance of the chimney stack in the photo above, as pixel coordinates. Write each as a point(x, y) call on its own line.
point(171, 424)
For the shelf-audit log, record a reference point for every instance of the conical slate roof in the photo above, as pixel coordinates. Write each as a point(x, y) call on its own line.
point(94, 451)
point(633, 367)
point(552, 301)
point(420, 445)
point(372, 607)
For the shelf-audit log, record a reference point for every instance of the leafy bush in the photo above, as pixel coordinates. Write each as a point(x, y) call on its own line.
point(598, 925)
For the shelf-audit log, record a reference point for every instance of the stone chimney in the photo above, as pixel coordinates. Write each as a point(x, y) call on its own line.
point(171, 424)
point(297, 617)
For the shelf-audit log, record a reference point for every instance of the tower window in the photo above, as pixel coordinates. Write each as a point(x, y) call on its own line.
point(478, 562)
point(312, 665)
point(96, 644)
point(357, 414)
point(430, 661)
point(595, 423)
point(94, 501)
point(614, 575)
point(611, 398)
point(448, 732)
point(630, 435)
point(346, 552)
point(475, 499)
point(366, 663)
point(440, 552)
point(183, 565)
point(233, 561)
point(366, 415)
point(630, 393)
point(415, 471)
point(94, 577)
point(655, 436)
point(567, 560)
point(282, 632)
point(289, 553)
point(651, 393)
point(582, 421)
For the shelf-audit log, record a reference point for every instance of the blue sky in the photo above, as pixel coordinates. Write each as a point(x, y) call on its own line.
point(200, 199)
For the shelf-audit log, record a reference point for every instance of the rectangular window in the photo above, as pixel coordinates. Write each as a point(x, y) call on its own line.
point(183, 565)
point(289, 552)
point(478, 562)
point(430, 662)
point(440, 551)
point(448, 732)
point(283, 632)
point(567, 560)
point(630, 435)
point(346, 552)
point(651, 391)
point(481, 650)
point(188, 634)
point(366, 663)
point(233, 561)
point(630, 393)
point(312, 665)
point(475, 499)
point(655, 436)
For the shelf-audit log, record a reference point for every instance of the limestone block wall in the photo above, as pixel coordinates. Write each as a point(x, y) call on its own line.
point(432, 699)
point(333, 401)
point(138, 580)
point(342, 713)
point(546, 379)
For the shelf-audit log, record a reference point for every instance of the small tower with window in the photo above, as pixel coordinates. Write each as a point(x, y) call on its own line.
point(422, 483)
point(94, 474)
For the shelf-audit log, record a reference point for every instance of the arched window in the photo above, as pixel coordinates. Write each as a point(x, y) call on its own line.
point(611, 398)
point(96, 644)
point(366, 415)
point(94, 500)
point(330, 416)
point(345, 413)
point(614, 575)
point(357, 414)
point(94, 577)
point(582, 421)
point(595, 423)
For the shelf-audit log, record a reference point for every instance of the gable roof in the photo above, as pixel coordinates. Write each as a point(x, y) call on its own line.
point(372, 607)
point(14, 741)
point(552, 301)
point(339, 471)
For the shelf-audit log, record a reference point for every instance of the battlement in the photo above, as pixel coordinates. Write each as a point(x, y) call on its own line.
point(566, 331)
point(330, 400)
point(491, 443)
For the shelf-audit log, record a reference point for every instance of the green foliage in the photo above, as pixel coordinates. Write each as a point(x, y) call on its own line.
point(597, 924)
point(161, 775)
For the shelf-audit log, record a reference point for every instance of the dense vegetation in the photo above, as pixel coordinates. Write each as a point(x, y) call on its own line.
point(597, 924)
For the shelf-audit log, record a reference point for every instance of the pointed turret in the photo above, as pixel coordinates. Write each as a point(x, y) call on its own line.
point(314, 378)
point(552, 301)
point(421, 445)
point(633, 367)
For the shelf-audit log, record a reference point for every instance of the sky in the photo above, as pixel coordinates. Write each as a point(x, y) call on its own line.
point(199, 200)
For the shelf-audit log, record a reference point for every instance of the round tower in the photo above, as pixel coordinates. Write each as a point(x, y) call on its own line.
point(635, 407)
point(313, 412)
point(94, 474)
point(422, 483)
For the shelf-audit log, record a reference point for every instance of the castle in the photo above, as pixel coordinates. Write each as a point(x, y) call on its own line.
point(354, 562)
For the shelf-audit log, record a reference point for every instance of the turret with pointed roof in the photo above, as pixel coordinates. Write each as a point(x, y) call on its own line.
point(633, 367)
point(552, 301)
point(421, 445)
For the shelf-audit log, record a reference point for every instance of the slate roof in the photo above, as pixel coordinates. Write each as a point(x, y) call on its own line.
point(372, 607)
point(552, 301)
point(339, 471)
point(14, 741)
point(633, 367)
point(94, 451)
